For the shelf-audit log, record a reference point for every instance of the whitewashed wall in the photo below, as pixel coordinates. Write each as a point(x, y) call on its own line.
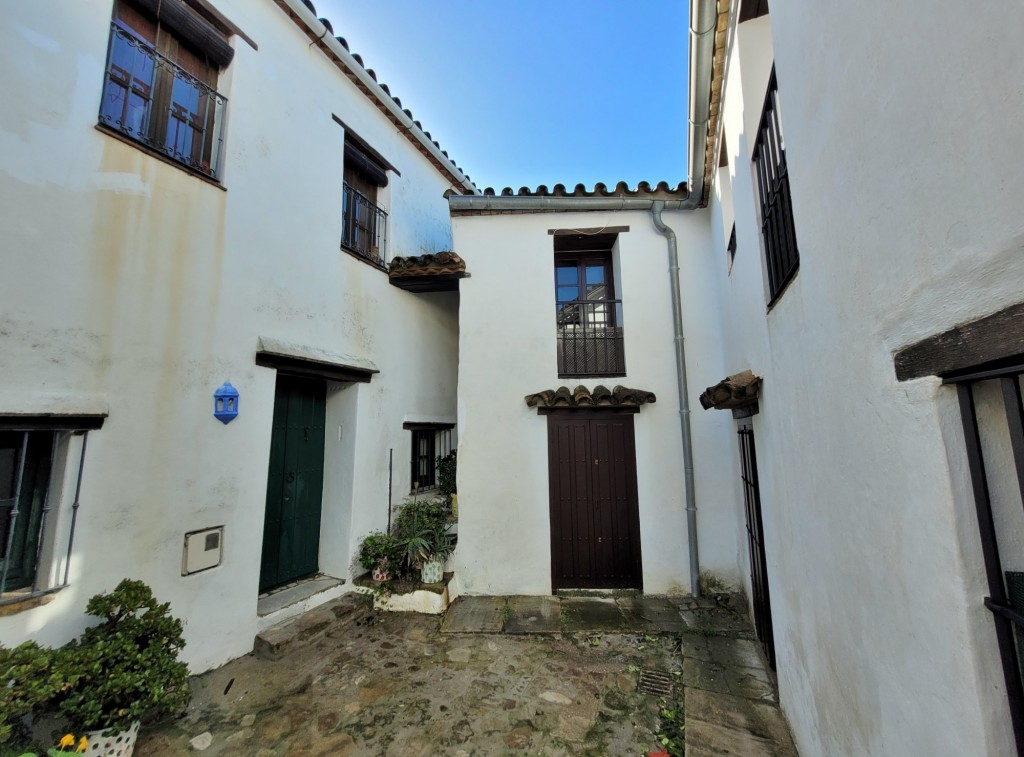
point(131, 282)
point(507, 350)
point(901, 138)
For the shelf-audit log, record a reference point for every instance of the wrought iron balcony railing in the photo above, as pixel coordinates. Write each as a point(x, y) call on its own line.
point(590, 338)
point(156, 102)
point(364, 228)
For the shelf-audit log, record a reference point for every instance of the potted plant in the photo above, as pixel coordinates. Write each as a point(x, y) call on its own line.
point(380, 553)
point(122, 669)
point(421, 528)
point(438, 549)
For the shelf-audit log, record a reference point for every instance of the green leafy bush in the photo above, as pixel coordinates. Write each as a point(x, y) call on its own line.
point(125, 667)
point(28, 683)
point(446, 469)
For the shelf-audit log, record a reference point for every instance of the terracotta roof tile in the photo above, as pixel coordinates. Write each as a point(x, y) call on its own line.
point(581, 397)
point(384, 87)
point(427, 265)
point(661, 190)
point(737, 390)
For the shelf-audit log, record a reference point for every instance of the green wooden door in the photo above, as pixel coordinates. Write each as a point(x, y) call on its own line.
point(295, 482)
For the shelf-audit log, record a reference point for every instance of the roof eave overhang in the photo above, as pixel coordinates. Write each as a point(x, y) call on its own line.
point(321, 36)
point(709, 27)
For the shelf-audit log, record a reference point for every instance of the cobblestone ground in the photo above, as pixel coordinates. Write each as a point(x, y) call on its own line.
point(394, 684)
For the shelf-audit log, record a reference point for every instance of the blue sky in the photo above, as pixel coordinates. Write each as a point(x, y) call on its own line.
point(525, 92)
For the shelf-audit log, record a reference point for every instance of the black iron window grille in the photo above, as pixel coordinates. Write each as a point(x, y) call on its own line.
point(588, 318)
point(590, 338)
point(364, 226)
point(156, 102)
point(780, 248)
point(1005, 588)
point(30, 470)
point(428, 444)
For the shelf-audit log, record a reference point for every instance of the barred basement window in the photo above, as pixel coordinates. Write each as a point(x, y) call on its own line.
point(430, 441)
point(160, 85)
point(36, 538)
point(780, 249)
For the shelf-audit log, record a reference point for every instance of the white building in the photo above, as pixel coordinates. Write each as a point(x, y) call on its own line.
point(852, 266)
point(866, 270)
point(179, 210)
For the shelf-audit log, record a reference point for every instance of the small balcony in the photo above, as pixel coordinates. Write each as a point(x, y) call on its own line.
point(590, 339)
point(364, 227)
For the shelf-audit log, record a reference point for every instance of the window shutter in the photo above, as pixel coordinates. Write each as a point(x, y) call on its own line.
point(192, 28)
point(365, 164)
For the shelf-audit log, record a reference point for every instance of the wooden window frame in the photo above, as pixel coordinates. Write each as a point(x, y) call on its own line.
point(165, 101)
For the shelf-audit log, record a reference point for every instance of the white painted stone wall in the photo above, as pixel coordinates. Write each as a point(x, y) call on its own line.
point(507, 349)
point(129, 283)
point(902, 131)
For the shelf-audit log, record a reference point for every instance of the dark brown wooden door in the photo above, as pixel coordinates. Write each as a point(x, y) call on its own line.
point(755, 541)
point(291, 530)
point(595, 519)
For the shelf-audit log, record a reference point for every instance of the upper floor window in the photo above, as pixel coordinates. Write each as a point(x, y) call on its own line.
point(780, 250)
point(364, 224)
point(160, 87)
point(587, 314)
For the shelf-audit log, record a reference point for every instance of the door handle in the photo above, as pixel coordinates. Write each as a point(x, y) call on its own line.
point(290, 477)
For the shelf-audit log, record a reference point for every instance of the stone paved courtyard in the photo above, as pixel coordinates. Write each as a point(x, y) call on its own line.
point(540, 675)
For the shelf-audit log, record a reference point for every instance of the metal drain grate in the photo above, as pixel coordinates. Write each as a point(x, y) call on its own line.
point(655, 682)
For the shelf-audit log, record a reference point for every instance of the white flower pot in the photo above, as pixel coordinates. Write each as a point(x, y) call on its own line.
point(117, 744)
point(432, 571)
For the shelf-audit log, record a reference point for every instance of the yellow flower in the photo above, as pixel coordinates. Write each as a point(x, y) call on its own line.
point(83, 745)
point(68, 740)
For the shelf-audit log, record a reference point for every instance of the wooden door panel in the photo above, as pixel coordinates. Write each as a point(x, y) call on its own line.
point(291, 532)
point(594, 511)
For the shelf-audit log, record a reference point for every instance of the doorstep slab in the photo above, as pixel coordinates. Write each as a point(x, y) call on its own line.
point(275, 642)
point(592, 614)
point(719, 723)
point(533, 615)
point(279, 599)
point(651, 614)
point(474, 615)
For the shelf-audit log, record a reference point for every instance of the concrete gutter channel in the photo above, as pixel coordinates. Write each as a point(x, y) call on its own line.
point(497, 675)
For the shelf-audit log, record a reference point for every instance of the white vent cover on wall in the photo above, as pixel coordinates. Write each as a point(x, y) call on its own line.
point(203, 550)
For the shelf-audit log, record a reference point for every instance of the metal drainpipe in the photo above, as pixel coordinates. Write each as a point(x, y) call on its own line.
point(684, 401)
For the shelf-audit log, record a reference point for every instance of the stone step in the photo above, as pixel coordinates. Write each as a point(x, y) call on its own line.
point(276, 641)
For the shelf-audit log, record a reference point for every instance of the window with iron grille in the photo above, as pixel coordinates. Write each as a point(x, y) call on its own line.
point(780, 248)
point(429, 443)
point(160, 87)
point(587, 314)
point(36, 544)
point(364, 224)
